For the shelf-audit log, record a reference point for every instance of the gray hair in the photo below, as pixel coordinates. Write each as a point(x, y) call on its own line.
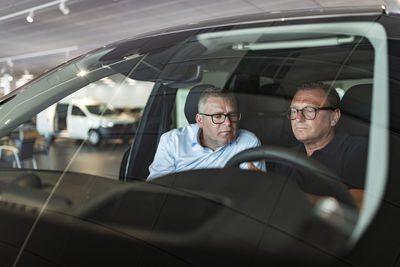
point(213, 92)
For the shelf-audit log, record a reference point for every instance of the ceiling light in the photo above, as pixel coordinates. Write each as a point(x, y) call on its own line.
point(5, 83)
point(6, 78)
point(26, 77)
point(61, 5)
point(108, 81)
point(131, 81)
point(82, 73)
point(20, 82)
point(63, 8)
point(10, 60)
point(30, 16)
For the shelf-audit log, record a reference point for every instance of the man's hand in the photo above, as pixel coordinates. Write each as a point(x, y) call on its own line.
point(358, 195)
point(251, 166)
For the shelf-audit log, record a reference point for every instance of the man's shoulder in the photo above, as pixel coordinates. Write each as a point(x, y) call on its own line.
point(347, 140)
point(182, 132)
point(357, 139)
point(348, 145)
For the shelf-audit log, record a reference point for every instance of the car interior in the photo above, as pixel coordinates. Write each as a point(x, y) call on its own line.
point(262, 100)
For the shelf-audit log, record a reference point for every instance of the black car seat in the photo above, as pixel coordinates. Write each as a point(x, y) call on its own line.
point(247, 83)
point(192, 100)
point(264, 114)
point(356, 110)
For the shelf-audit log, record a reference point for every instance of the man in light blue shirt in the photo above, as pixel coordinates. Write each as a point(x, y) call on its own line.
point(208, 143)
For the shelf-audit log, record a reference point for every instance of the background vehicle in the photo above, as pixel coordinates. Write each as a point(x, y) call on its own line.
point(221, 216)
point(135, 112)
point(85, 118)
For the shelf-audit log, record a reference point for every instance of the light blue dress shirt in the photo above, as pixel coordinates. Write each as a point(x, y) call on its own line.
point(180, 150)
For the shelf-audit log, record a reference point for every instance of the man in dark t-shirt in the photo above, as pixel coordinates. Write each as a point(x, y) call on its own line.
point(314, 112)
point(345, 156)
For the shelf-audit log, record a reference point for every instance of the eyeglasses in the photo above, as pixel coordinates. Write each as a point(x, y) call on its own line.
point(308, 113)
point(220, 118)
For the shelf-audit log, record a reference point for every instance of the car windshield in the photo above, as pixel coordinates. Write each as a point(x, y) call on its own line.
point(101, 109)
point(101, 177)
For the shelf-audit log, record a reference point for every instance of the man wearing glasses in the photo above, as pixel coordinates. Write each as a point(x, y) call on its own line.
point(208, 143)
point(314, 112)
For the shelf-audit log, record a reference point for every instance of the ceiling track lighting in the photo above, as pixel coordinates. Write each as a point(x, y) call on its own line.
point(30, 11)
point(30, 16)
point(63, 8)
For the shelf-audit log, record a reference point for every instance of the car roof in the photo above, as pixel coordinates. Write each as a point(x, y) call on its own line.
point(275, 16)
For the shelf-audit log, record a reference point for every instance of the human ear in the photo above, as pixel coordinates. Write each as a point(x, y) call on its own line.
point(199, 120)
point(335, 117)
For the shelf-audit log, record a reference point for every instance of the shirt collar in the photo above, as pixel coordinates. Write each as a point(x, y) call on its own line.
point(195, 138)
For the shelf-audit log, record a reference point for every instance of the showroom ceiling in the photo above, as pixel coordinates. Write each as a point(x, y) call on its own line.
point(53, 37)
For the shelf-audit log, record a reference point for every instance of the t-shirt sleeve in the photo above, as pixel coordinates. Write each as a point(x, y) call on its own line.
point(164, 161)
point(355, 164)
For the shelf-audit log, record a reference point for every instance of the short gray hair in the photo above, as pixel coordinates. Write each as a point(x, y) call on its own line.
point(213, 92)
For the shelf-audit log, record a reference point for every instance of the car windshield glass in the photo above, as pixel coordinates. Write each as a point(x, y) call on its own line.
point(189, 147)
point(101, 109)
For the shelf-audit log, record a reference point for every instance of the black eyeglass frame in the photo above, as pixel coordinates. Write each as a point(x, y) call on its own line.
point(225, 115)
point(316, 109)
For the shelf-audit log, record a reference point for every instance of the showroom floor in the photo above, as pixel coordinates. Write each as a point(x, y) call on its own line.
point(103, 160)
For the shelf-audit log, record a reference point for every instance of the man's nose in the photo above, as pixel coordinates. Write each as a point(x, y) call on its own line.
point(299, 116)
point(227, 120)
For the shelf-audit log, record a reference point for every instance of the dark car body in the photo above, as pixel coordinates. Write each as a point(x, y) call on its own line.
point(226, 216)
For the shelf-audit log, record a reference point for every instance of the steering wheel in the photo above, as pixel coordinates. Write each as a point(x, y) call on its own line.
point(327, 179)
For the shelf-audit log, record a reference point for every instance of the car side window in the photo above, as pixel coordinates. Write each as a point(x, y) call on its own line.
point(76, 111)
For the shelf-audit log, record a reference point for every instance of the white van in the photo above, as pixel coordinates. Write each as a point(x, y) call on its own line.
point(85, 118)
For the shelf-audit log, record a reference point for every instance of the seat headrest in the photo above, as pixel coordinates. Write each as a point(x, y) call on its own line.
point(269, 89)
point(356, 101)
point(246, 83)
point(192, 101)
